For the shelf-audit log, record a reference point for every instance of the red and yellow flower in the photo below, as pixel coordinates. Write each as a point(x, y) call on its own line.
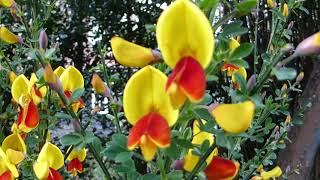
point(15, 148)
point(75, 158)
point(199, 137)
point(7, 36)
point(221, 169)
point(234, 118)
point(147, 107)
point(185, 39)
point(50, 159)
point(8, 171)
point(28, 94)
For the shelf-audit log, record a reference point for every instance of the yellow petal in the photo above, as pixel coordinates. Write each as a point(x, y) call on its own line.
point(190, 161)
point(14, 142)
point(71, 79)
point(7, 36)
point(6, 165)
point(19, 87)
point(36, 96)
point(285, 11)
point(41, 169)
point(241, 71)
point(6, 3)
point(12, 76)
point(98, 85)
point(59, 71)
point(148, 148)
point(130, 54)
point(270, 3)
point(233, 45)
point(274, 173)
point(234, 118)
point(15, 157)
point(145, 93)
point(52, 155)
point(81, 155)
point(183, 30)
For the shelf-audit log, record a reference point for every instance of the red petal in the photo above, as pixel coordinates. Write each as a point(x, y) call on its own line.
point(229, 66)
point(54, 175)
point(20, 116)
point(37, 91)
point(6, 176)
point(153, 125)
point(32, 118)
point(75, 166)
point(220, 169)
point(190, 77)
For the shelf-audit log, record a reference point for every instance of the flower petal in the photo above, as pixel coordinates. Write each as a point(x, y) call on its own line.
point(15, 157)
point(148, 148)
point(37, 94)
point(41, 169)
point(145, 93)
point(51, 154)
point(5, 164)
point(234, 118)
point(233, 45)
point(72, 79)
point(54, 175)
point(75, 166)
point(221, 169)
point(58, 71)
point(183, 30)
point(6, 3)
point(7, 36)
point(6, 176)
point(190, 78)
point(28, 117)
point(242, 72)
point(15, 142)
point(130, 54)
point(19, 87)
point(274, 173)
point(81, 155)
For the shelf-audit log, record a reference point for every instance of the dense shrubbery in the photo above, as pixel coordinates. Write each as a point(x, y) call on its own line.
point(203, 105)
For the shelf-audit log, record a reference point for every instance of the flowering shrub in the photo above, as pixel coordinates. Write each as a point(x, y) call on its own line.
point(177, 129)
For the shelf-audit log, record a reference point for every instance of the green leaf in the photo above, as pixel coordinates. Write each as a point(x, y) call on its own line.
point(150, 177)
point(233, 29)
point(223, 141)
point(208, 4)
point(175, 175)
point(285, 73)
point(242, 51)
point(125, 167)
point(60, 115)
point(242, 82)
point(240, 62)
point(202, 113)
point(71, 139)
point(207, 99)
point(77, 94)
point(123, 156)
point(150, 27)
point(246, 6)
point(49, 53)
point(212, 78)
point(184, 143)
point(173, 151)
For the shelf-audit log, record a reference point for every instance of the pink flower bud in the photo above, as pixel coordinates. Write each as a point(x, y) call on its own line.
point(311, 45)
point(157, 54)
point(300, 76)
point(43, 40)
point(76, 125)
point(252, 82)
point(178, 164)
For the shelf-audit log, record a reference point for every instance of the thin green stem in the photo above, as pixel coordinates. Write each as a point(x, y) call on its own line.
point(256, 38)
point(161, 165)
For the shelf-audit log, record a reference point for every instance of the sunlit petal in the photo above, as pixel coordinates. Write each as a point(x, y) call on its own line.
point(51, 154)
point(7, 36)
point(41, 169)
point(81, 155)
point(221, 169)
point(183, 30)
point(274, 173)
point(58, 71)
point(6, 165)
point(72, 79)
point(15, 157)
point(148, 148)
point(19, 87)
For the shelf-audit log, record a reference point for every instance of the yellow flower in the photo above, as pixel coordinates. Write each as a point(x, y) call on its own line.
point(50, 159)
point(274, 173)
point(147, 107)
point(28, 95)
point(15, 148)
point(7, 170)
point(99, 86)
point(130, 54)
point(270, 3)
point(234, 118)
point(6, 3)
point(285, 11)
point(199, 137)
point(71, 79)
point(75, 158)
point(8, 37)
point(185, 39)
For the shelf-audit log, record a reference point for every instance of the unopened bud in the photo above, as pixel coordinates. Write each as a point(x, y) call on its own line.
point(178, 164)
point(99, 86)
point(13, 12)
point(260, 168)
point(52, 79)
point(252, 82)
point(290, 26)
point(285, 11)
point(271, 3)
point(43, 40)
point(288, 119)
point(76, 125)
point(300, 76)
point(284, 87)
point(157, 54)
point(12, 76)
point(311, 45)
point(212, 106)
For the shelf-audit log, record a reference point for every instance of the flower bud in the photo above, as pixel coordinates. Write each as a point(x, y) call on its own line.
point(12, 76)
point(177, 164)
point(288, 119)
point(284, 87)
point(311, 45)
point(43, 40)
point(157, 54)
point(274, 173)
point(52, 79)
point(285, 11)
point(76, 125)
point(252, 82)
point(300, 76)
point(290, 26)
point(99, 86)
point(212, 106)
point(270, 3)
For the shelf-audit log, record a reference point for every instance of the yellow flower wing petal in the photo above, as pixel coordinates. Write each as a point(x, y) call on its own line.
point(183, 30)
point(148, 148)
point(72, 79)
point(15, 157)
point(234, 118)
point(59, 70)
point(7, 36)
point(130, 54)
point(19, 87)
point(15, 142)
point(233, 45)
point(190, 160)
point(241, 71)
point(5, 163)
point(81, 155)
point(145, 93)
point(200, 136)
point(41, 169)
point(51, 154)
point(6, 3)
